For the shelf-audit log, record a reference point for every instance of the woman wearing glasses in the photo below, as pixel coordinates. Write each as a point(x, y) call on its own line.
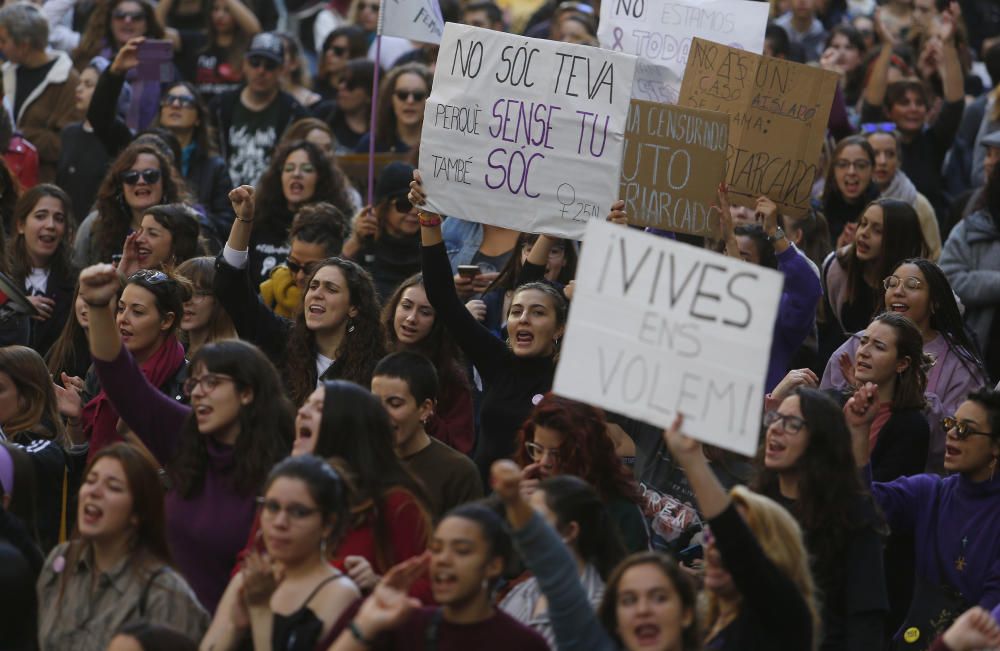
point(112, 25)
point(806, 465)
point(140, 178)
point(888, 233)
point(184, 114)
point(340, 46)
point(918, 289)
point(385, 238)
point(848, 187)
point(954, 520)
point(205, 320)
point(304, 512)
point(351, 115)
point(565, 437)
point(299, 174)
point(400, 112)
point(216, 452)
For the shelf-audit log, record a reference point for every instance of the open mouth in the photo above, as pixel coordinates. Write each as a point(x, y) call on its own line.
point(444, 579)
point(143, 252)
point(316, 309)
point(899, 307)
point(92, 513)
point(647, 634)
point(524, 338)
point(951, 451)
point(125, 334)
point(48, 240)
point(203, 411)
point(774, 447)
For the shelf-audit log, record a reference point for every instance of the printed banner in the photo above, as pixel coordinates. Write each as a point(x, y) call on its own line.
point(524, 133)
point(674, 160)
point(778, 113)
point(658, 327)
point(416, 20)
point(660, 33)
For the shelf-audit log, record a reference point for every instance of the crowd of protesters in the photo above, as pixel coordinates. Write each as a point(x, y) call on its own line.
point(248, 402)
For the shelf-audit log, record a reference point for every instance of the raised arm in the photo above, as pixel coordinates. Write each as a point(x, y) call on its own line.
point(480, 346)
point(102, 114)
point(153, 416)
point(878, 81)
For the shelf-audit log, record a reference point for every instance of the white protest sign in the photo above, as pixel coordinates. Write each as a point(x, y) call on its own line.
point(524, 133)
point(660, 32)
point(416, 20)
point(658, 327)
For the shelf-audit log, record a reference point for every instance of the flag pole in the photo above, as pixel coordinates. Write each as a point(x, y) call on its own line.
point(371, 125)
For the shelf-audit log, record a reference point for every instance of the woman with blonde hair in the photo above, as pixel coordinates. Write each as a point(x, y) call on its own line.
point(29, 417)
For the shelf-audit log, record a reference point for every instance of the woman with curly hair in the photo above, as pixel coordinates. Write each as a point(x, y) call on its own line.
point(565, 437)
point(400, 111)
point(299, 174)
point(141, 177)
point(411, 324)
point(337, 333)
point(216, 452)
point(806, 465)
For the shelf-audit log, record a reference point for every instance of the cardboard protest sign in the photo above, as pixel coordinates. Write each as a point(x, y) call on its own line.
point(658, 327)
point(674, 159)
point(660, 33)
point(417, 20)
point(778, 112)
point(524, 133)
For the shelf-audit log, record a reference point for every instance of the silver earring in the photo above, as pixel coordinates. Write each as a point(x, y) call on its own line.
point(350, 326)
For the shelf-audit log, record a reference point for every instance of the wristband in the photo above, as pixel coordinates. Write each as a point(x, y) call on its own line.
point(247, 221)
point(356, 634)
point(428, 219)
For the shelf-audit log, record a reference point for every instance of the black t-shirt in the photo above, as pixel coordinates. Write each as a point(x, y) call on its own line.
point(28, 79)
point(252, 137)
point(214, 75)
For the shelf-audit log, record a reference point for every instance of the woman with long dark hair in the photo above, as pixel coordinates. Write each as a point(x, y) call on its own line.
point(118, 569)
point(216, 452)
point(38, 259)
point(572, 507)
point(112, 24)
point(205, 321)
point(806, 465)
point(339, 47)
point(219, 68)
point(400, 111)
point(337, 333)
point(350, 118)
point(141, 177)
point(299, 173)
point(848, 187)
point(888, 232)
point(411, 323)
point(566, 437)
point(166, 237)
point(918, 289)
point(512, 377)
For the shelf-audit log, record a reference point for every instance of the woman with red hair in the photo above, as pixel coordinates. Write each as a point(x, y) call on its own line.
point(565, 437)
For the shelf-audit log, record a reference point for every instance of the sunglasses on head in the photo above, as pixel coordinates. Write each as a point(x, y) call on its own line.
point(121, 14)
point(149, 276)
point(183, 101)
point(415, 95)
point(262, 62)
point(131, 177)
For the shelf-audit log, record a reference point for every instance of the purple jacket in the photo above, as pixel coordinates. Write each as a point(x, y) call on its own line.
point(956, 526)
point(206, 531)
point(949, 383)
point(796, 312)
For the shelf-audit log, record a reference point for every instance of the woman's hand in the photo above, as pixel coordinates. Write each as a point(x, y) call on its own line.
point(530, 479)
point(128, 56)
point(847, 235)
point(360, 571)
point(129, 264)
point(974, 630)
point(682, 447)
point(390, 604)
point(862, 407)
point(43, 305)
point(568, 290)
point(364, 224)
point(617, 214)
point(242, 199)
point(766, 211)
point(68, 400)
point(794, 379)
point(846, 365)
point(417, 196)
point(475, 307)
point(259, 580)
point(726, 221)
point(99, 285)
point(505, 479)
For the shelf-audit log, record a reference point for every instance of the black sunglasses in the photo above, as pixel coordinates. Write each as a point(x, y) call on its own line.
point(262, 62)
point(184, 101)
point(416, 95)
point(296, 267)
point(135, 16)
point(338, 50)
point(131, 177)
point(403, 204)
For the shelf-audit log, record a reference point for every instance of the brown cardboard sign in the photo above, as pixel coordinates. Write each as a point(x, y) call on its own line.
point(674, 159)
point(778, 111)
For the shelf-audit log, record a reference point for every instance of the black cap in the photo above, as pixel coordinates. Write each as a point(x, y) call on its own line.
point(393, 181)
point(267, 45)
